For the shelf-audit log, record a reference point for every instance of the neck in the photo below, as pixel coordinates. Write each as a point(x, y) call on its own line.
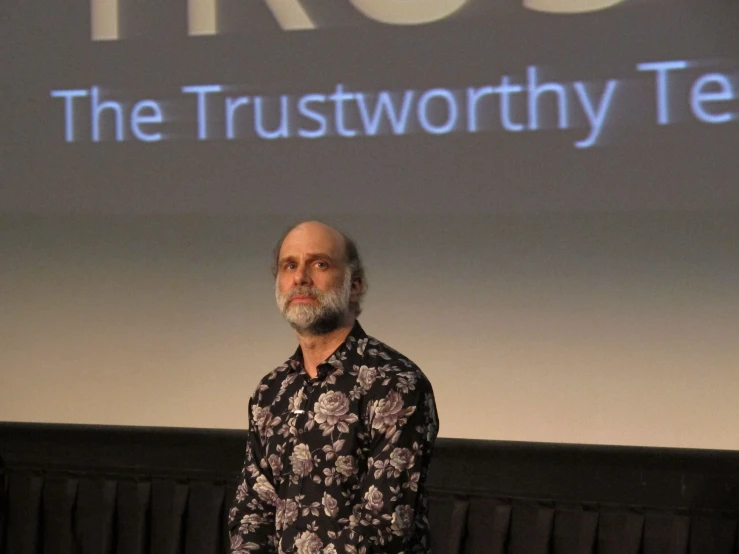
point(316, 348)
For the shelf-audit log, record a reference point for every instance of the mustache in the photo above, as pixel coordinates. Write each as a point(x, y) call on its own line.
point(303, 291)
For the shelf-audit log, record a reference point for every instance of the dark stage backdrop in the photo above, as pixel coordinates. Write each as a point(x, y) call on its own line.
point(546, 193)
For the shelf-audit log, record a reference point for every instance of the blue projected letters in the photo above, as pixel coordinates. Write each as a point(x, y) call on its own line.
point(535, 90)
point(699, 97)
point(282, 130)
point(596, 117)
point(385, 103)
point(313, 115)
point(144, 112)
point(451, 111)
point(138, 118)
point(202, 91)
point(339, 98)
point(69, 96)
point(522, 105)
point(662, 85)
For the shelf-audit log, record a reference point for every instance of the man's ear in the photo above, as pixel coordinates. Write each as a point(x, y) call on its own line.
point(356, 286)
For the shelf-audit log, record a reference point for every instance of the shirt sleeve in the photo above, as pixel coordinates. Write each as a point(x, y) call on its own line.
point(390, 513)
point(251, 520)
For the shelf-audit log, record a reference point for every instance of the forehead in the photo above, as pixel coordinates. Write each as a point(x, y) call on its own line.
point(313, 238)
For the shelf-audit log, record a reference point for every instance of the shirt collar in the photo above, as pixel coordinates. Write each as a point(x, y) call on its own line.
point(340, 357)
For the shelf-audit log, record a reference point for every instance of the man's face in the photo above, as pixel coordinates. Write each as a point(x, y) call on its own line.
point(313, 286)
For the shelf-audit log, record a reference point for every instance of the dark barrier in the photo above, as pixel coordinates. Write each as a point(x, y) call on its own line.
point(75, 489)
point(3, 501)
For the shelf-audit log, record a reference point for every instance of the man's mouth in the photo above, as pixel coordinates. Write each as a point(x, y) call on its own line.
point(302, 299)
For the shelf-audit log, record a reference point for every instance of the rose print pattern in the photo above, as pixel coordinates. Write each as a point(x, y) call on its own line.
point(331, 411)
point(337, 464)
point(301, 460)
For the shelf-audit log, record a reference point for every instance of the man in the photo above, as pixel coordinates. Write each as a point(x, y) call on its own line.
point(340, 435)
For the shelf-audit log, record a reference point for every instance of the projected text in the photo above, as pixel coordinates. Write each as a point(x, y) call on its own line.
point(108, 17)
point(532, 103)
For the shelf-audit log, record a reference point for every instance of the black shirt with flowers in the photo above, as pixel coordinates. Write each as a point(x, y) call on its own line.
point(337, 464)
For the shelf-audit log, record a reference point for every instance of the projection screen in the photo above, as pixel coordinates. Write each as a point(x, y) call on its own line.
point(545, 192)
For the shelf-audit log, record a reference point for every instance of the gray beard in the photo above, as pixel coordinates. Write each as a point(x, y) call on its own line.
point(327, 315)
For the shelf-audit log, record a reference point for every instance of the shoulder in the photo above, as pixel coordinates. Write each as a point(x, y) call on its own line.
point(394, 371)
point(272, 384)
point(399, 395)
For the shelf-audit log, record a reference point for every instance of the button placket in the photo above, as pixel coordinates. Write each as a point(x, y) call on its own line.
point(310, 386)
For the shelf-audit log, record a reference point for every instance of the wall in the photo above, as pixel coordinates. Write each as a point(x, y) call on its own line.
point(610, 329)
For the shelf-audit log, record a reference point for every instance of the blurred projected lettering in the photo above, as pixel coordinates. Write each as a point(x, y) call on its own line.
point(110, 21)
point(570, 6)
point(104, 20)
point(109, 119)
point(408, 12)
point(534, 101)
point(290, 15)
point(202, 17)
point(709, 94)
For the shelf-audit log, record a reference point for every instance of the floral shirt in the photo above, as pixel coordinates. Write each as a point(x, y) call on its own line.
point(337, 464)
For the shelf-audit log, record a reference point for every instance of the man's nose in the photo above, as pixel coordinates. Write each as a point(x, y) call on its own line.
point(302, 276)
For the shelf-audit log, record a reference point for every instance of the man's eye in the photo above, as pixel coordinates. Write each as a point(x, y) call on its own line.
point(290, 266)
point(321, 265)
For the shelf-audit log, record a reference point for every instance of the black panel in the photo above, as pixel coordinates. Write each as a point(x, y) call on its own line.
point(122, 490)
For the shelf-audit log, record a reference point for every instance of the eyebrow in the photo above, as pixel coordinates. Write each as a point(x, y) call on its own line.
point(310, 256)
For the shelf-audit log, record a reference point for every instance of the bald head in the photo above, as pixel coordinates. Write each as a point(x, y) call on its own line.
point(314, 236)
